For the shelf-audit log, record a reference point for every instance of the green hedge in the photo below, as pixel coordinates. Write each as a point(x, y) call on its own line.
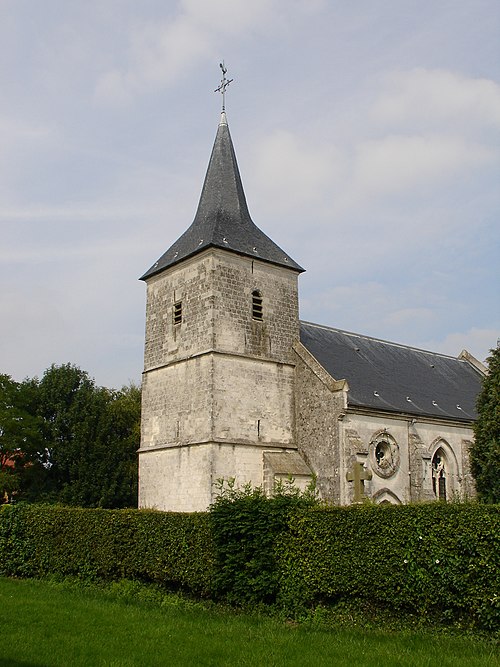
point(437, 559)
point(173, 549)
point(246, 526)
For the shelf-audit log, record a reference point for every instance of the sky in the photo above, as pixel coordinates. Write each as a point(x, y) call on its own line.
point(367, 136)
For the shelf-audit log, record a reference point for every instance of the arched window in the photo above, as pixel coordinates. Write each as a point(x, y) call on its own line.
point(439, 474)
point(257, 305)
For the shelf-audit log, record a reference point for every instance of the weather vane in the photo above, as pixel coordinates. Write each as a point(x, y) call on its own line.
point(223, 85)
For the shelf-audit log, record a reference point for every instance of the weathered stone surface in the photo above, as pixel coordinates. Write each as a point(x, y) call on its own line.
point(320, 403)
point(218, 388)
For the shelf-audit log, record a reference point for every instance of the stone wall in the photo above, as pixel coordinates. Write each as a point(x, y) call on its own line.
point(191, 284)
point(409, 477)
point(320, 403)
point(253, 401)
point(176, 478)
point(215, 288)
point(234, 280)
point(177, 403)
point(218, 386)
point(185, 478)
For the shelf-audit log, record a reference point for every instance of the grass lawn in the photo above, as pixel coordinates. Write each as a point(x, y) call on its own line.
point(44, 624)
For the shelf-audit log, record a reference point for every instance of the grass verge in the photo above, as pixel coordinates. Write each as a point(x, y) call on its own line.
point(45, 624)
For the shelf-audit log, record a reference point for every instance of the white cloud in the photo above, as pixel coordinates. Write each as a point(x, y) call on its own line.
point(476, 341)
point(363, 302)
point(12, 130)
point(19, 138)
point(422, 96)
point(159, 55)
point(289, 171)
point(233, 17)
point(408, 316)
point(163, 52)
point(425, 129)
point(388, 151)
point(399, 163)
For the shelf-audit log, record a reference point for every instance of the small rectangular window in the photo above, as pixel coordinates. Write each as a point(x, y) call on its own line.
point(256, 305)
point(177, 312)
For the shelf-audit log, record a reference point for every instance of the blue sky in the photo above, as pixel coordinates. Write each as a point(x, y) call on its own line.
point(367, 135)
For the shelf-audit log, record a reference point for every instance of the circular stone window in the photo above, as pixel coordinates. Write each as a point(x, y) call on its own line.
point(385, 455)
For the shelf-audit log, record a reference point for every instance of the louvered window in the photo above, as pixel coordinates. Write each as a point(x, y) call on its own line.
point(177, 312)
point(256, 305)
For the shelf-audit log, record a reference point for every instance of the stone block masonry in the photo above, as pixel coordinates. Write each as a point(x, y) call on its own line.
point(218, 385)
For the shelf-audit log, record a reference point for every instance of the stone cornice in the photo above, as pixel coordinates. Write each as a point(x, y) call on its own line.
point(271, 446)
point(415, 419)
point(222, 353)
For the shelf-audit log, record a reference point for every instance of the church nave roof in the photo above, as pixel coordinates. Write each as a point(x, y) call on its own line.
point(395, 378)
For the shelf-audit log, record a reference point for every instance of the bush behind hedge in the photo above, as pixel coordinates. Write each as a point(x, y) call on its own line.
point(246, 526)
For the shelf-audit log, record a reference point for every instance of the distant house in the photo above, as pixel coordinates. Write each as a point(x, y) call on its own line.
point(7, 463)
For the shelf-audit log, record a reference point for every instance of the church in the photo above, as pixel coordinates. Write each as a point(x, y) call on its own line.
point(236, 386)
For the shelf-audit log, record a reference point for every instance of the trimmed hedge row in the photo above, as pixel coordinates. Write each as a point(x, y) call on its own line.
point(437, 559)
point(173, 549)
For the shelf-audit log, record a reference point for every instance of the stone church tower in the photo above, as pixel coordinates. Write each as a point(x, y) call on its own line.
point(218, 383)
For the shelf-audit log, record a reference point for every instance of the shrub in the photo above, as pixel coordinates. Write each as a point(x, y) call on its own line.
point(435, 560)
point(438, 559)
point(173, 549)
point(245, 526)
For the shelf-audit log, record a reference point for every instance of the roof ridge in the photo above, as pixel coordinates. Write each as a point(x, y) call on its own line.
point(386, 342)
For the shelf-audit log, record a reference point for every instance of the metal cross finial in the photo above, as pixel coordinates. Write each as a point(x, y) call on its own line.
point(223, 85)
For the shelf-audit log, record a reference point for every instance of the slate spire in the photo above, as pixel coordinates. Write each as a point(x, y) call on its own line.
point(222, 219)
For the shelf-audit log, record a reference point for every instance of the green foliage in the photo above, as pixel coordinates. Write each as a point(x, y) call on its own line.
point(174, 550)
point(485, 452)
point(68, 440)
point(439, 562)
point(435, 560)
point(9, 484)
point(246, 525)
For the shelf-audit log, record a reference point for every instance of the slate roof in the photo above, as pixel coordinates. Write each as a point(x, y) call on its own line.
point(395, 378)
point(222, 219)
point(286, 463)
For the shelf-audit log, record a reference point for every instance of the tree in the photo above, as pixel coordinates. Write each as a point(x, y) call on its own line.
point(485, 452)
point(91, 439)
point(70, 408)
point(119, 440)
point(64, 439)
